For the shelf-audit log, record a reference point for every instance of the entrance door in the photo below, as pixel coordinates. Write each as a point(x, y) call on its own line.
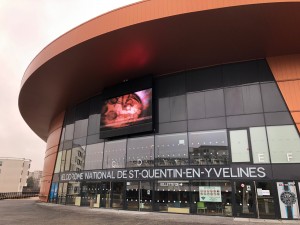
point(117, 197)
point(265, 200)
point(139, 196)
point(244, 202)
point(105, 194)
point(132, 195)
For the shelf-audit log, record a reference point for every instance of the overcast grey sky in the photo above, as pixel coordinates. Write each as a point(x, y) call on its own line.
point(26, 27)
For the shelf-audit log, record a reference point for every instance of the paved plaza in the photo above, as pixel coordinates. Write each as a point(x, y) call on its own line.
point(32, 212)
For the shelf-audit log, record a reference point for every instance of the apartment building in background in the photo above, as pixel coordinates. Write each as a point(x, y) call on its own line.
point(13, 174)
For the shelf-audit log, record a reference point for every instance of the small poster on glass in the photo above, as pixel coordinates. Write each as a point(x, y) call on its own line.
point(210, 194)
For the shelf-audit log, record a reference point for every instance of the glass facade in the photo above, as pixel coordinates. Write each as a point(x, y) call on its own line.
point(221, 136)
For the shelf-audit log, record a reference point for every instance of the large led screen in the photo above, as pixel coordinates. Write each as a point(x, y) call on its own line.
point(126, 114)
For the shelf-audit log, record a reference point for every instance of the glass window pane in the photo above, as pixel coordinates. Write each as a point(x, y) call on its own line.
point(62, 138)
point(79, 142)
point(63, 161)
point(196, 105)
point(69, 132)
point(173, 85)
point(278, 118)
point(214, 103)
point(172, 127)
point(272, 99)
point(58, 162)
point(252, 99)
point(266, 200)
point(93, 139)
point(240, 73)
point(284, 144)
point(164, 114)
point(68, 160)
point(81, 128)
point(172, 196)
point(234, 101)
point(239, 146)
point(178, 108)
point(207, 124)
point(94, 156)
point(203, 79)
point(77, 158)
point(208, 147)
point(94, 123)
point(242, 121)
point(171, 149)
point(114, 154)
point(245, 201)
point(73, 193)
point(140, 152)
point(259, 144)
point(211, 197)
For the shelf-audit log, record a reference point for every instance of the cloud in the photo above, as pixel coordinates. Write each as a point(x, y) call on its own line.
point(26, 27)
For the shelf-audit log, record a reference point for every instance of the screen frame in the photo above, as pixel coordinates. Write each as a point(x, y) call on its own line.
point(122, 89)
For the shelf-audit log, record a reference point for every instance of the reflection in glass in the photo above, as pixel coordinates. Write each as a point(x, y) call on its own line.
point(212, 197)
point(208, 147)
point(284, 144)
point(73, 193)
point(62, 138)
point(206, 104)
point(172, 196)
point(94, 156)
point(69, 132)
point(272, 99)
point(80, 129)
point(245, 199)
point(88, 193)
point(234, 101)
point(77, 159)
point(243, 100)
point(68, 160)
point(259, 144)
point(114, 154)
point(140, 152)
point(132, 195)
point(146, 193)
point(171, 149)
point(118, 195)
point(239, 146)
point(265, 200)
point(139, 196)
point(58, 162)
point(98, 192)
point(94, 121)
point(62, 192)
point(63, 161)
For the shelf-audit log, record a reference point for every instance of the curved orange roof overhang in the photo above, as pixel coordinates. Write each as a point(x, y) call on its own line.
point(152, 37)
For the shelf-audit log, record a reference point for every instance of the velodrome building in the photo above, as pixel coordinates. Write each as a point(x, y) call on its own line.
point(173, 106)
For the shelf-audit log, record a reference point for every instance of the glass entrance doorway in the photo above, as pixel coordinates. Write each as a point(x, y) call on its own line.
point(245, 199)
point(139, 195)
point(117, 195)
point(104, 194)
point(97, 192)
point(265, 200)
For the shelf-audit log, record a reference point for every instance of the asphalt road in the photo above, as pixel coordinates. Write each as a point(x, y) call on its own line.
point(31, 212)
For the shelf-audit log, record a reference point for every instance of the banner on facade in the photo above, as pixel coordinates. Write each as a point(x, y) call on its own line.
point(234, 172)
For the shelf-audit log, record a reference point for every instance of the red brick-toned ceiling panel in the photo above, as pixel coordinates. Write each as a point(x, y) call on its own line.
point(152, 37)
